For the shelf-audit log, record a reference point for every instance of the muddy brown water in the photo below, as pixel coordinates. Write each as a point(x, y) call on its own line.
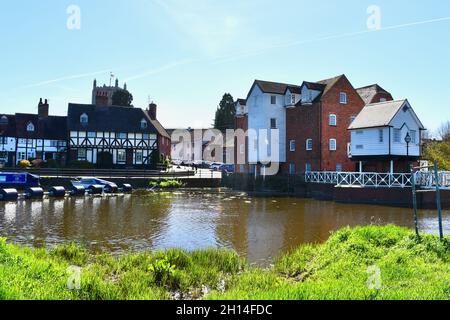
point(257, 228)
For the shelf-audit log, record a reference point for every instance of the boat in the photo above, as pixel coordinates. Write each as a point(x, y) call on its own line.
point(19, 180)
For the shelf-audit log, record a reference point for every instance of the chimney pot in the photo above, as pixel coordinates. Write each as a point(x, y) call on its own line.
point(152, 108)
point(43, 109)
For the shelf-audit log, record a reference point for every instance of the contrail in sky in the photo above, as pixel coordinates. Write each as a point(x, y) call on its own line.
point(71, 77)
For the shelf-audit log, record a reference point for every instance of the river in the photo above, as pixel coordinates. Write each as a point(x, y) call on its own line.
point(257, 228)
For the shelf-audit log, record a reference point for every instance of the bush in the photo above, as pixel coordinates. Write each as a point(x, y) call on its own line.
point(81, 164)
point(51, 163)
point(24, 164)
point(166, 184)
point(162, 270)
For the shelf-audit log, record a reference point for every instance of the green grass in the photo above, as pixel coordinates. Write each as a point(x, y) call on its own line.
point(338, 269)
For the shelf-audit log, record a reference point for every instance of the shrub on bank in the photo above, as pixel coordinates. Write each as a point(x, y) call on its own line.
point(166, 184)
point(345, 267)
point(81, 164)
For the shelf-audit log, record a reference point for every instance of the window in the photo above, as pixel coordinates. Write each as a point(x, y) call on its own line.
point(22, 156)
point(413, 134)
point(53, 143)
point(273, 99)
point(293, 99)
point(273, 123)
point(121, 135)
point(4, 120)
point(144, 124)
point(381, 136)
point(309, 144)
point(22, 141)
point(333, 120)
point(292, 168)
point(145, 136)
point(121, 156)
point(139, 156)
point(339, 168)
point(343, 98)
point(397, 135)
point(292, 145)
point(91, 134)
point(333, 145)
point(242, 149)
point(308, 167)
point(81, 154)
point(30, 127)
point(84, 119)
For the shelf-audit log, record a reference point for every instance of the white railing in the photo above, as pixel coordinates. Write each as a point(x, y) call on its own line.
point(424, 180)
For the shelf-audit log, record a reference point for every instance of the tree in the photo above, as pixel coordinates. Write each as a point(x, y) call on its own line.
point(122, 98)
point(439, 150)
point(225, 113)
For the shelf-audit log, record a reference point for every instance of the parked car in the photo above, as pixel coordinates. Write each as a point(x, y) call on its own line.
point(215, 166)
point(88, 182)
point(227, 168)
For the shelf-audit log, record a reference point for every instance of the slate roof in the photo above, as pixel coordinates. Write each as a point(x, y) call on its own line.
point(242, 102)
point(8, 130)
point(109, 118)
point(379, 115)
point(275, 87)
point(51, 127)
point(368, 93)
point(323, 86)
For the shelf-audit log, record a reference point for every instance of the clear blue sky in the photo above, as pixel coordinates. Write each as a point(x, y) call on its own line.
point(186, 54)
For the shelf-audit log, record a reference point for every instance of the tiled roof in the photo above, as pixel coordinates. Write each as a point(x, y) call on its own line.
point(379, 115)
point(368, 93)
point(275, 87)
point(9, 129)
point(51, 127)
point(109, 118)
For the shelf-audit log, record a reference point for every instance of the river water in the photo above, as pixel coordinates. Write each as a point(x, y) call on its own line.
point(257, 228)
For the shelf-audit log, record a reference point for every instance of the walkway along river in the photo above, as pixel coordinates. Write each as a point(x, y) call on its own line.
point(257, 228)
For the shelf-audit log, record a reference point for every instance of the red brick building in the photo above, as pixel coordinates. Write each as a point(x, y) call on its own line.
point(240, 150)
point(317, 126)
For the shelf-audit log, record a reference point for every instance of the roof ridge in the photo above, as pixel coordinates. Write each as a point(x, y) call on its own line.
point(386, 102)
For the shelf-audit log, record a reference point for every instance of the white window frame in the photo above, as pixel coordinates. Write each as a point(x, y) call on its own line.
point(81, 154)
point(333, 144)
point(84, 118)
point(293, 99)
point(309, 144)
point(339, 167)
point(30, 127)
point(121, 156)
point(331, 118)
point(308, 167)
point(139, 157)
point(413, 134)
point(343, 98)
point(292, 145)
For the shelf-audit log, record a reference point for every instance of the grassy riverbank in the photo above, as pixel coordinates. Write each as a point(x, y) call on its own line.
point(345, 267)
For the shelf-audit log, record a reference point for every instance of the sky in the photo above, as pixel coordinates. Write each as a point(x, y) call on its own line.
point(184, 55)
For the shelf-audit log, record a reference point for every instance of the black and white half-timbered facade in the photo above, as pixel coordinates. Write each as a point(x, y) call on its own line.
point(124, 135)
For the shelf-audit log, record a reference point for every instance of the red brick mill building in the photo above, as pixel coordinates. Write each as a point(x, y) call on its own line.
point(314, 119)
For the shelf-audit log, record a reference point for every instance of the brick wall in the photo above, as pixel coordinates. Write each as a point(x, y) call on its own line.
point(344, 112)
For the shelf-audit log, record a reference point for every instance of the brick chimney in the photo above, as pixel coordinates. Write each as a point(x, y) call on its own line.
point(152, 111)
point(43, 108)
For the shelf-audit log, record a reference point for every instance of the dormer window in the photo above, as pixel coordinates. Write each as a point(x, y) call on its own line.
point(4, 120)
point(30, 127)
point(144, 124)
point(293, 99)
point(343, 98)
point(84, 119)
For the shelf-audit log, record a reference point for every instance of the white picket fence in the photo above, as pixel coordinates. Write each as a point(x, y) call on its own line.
point(424, 180)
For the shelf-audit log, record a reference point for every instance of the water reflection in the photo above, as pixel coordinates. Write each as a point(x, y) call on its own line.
point(258, 228)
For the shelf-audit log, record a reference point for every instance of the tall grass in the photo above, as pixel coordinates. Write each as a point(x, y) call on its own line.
point(410, 268)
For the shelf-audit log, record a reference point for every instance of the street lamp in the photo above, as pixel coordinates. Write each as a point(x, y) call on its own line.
point(408, 140)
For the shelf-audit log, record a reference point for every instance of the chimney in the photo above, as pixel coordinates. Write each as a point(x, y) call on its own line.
point(43, 108)
point(152, 111)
